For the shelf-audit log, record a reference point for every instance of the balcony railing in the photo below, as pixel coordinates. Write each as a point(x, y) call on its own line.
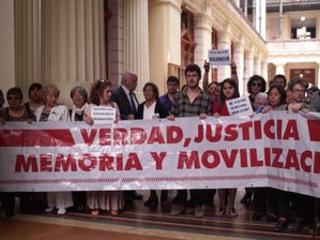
point(294, 46)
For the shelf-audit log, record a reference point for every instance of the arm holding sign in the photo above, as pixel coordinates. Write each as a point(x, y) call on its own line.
point(205, 81)
point(234, 74)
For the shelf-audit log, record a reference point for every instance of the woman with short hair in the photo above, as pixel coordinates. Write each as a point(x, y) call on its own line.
point(52, 111)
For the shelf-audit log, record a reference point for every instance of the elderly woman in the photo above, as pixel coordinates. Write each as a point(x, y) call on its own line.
point(112, 201)
point(15, 112)
point(52, 111)
point(79, 98)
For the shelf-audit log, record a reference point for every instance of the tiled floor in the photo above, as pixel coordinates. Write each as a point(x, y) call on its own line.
point(142, 224)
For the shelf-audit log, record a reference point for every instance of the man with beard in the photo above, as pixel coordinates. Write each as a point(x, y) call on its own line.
point(191, 102)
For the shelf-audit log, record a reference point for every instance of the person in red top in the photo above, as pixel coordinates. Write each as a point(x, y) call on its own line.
point(229, 90)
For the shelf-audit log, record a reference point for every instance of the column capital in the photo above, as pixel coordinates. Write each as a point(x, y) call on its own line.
point(258, 57)
point(250, 53)
point(203, 21)
point(279, 64)
point(224, 36)
point(174, 3)
point(238, 47)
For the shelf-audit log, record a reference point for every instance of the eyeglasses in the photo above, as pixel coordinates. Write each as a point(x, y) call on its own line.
point(256, 84)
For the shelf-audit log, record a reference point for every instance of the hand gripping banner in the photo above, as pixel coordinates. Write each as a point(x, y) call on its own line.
point(277, 149)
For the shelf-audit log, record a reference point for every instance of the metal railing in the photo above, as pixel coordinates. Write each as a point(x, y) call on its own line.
point(293, 45)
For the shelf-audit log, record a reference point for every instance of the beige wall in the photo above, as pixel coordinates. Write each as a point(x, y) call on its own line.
point(7, 67)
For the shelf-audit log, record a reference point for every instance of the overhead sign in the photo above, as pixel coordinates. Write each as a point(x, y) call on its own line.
point(219, 57)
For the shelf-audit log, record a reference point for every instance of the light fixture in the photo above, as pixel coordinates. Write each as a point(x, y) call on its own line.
point(301, 75)
point(302, 18)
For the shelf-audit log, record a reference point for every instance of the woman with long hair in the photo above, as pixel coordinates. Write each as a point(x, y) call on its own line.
point(229, 90)
point(112, 201)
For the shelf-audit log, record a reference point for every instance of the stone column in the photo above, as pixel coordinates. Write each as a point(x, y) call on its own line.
point(203, 39)
point(257, 65)
point(263, 22)
point(285, 27)
point(257, 16)
point(280, 68)
point(224, 42)
point(115, 41)
point(237, 2)
point(239, 61)
point(249, 66)
point(73, 43)
point(164, 39)
point(245, 8)
point(136, 41)
point(7, 48)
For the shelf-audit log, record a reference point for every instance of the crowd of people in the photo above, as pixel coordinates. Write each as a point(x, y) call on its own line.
point(192, 100)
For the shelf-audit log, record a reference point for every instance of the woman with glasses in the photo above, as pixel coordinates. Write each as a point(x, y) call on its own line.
point(79, 98)
point(255, 85)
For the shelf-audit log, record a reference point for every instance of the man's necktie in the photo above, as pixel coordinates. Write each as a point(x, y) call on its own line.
point(132, 103)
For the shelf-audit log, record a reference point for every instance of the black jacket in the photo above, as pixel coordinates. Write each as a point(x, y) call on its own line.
point(163, 113)
point(119, 96)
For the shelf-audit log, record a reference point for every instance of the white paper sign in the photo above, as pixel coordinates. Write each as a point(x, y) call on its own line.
point(239, 106)
point(219, 57)
point(103, 115)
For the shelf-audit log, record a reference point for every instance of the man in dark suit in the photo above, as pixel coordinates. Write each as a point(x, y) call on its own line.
point(128, 103)
point(125, 97)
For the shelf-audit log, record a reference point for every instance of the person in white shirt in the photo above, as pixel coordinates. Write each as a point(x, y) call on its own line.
point(52, 111)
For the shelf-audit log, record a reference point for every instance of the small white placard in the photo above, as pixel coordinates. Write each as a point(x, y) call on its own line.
point(239, 106)
point(103, 115)
point(219, 57)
